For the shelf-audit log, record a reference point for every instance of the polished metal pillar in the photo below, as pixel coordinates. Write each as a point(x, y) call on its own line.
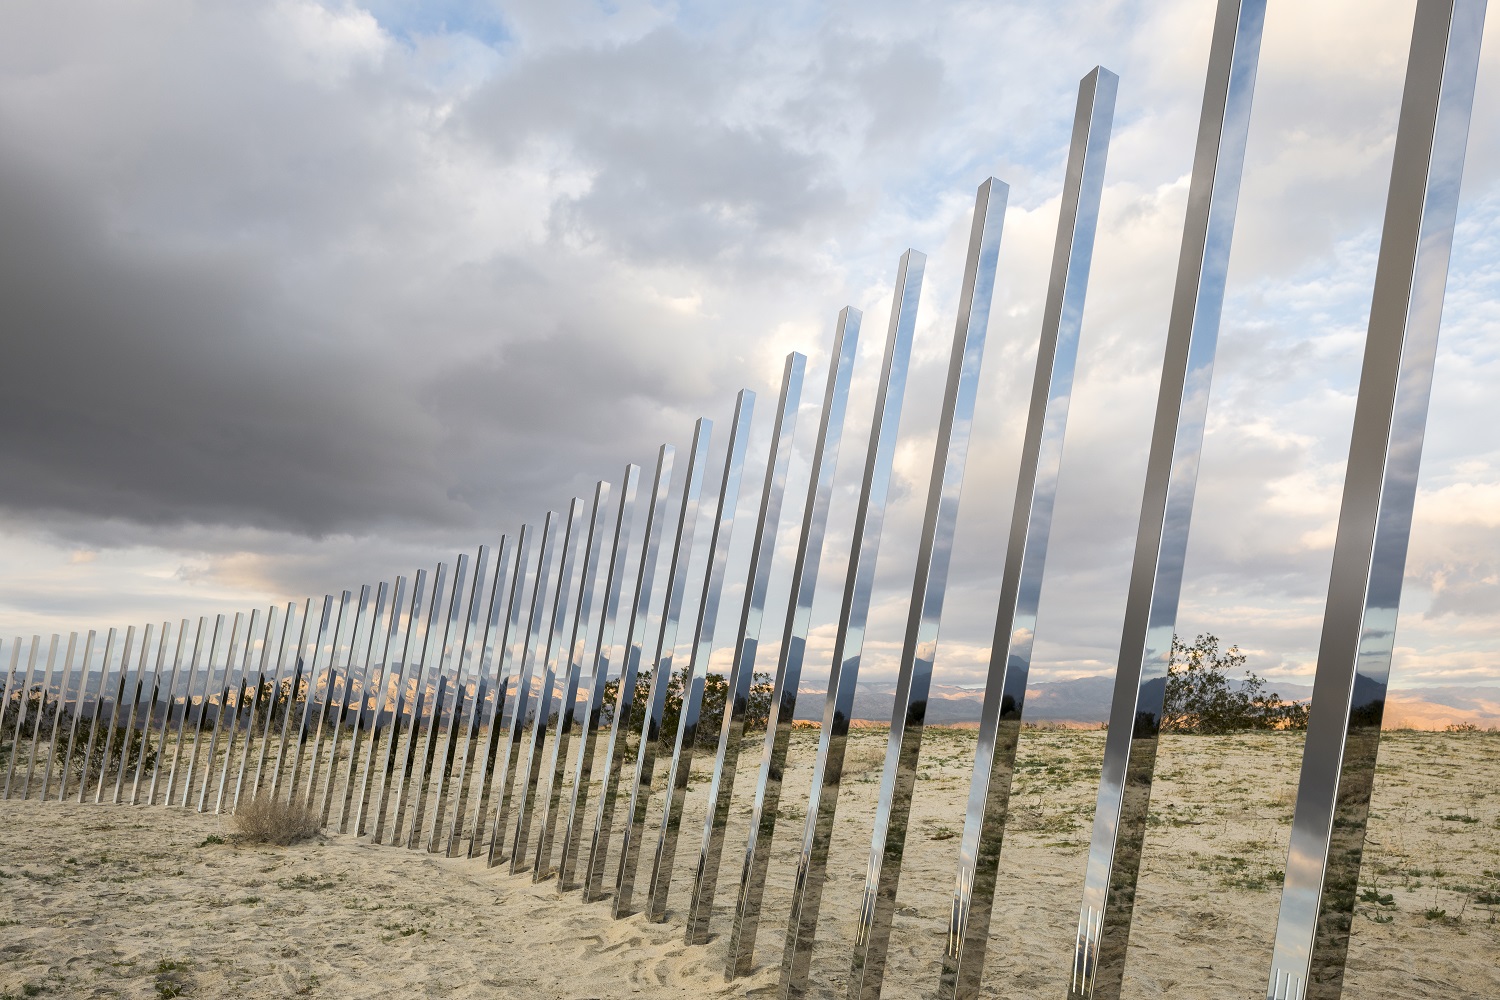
point(406, 755)
point(577, 652)
point(238, 638)
point(14, 691)
point(70, 674)
point(257, 650)
point(592, 702)
point(385, 775)
point(24, 710)
point(148, 721)
point(703, 644)
point(322, 653)
point(379, 695)
point(341, 683)
point(294, 691)
point(10, 679)
point(494, 711)
point(934, 556)
point(619, 732)
point(263, 705)
point(96, 704)
point(75, 722)
point(484, 666)
point(661, 674)
point(1369, 556)
point(117, 691)
point(243, 687)
point(359, 693)
point(356, 678)
point(478, 605)
point(461, 631)
point(122, 693)
point(1026, 552)
point(444, 652)
point(207, 686)
point(132, 714)
point(742, 671)
point(854, 613)
point(168, 697)
point(76, 725)
point(53, 677)
point(522, 700)
point(335, 667)
point(793, 643)
point(485, 608)
point(1167, 505)
point(547, 678)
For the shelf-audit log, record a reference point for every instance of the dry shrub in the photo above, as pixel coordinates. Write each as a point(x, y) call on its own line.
point(273, 821)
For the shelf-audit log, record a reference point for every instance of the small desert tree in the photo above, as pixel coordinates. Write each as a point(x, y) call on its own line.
point(1201, 697)
point(711, 710)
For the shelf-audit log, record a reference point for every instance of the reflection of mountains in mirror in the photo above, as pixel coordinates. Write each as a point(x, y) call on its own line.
point(1086, 700)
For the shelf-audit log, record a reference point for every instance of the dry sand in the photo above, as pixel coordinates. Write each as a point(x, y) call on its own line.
point(103, 901)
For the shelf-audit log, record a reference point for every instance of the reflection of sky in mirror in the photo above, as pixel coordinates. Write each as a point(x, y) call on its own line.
point(342, 289)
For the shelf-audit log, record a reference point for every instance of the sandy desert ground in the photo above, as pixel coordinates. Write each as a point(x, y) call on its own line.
point(115, 901)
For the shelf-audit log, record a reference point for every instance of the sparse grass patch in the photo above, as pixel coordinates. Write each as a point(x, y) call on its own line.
point(212, 838)
point(172, 978)
point(310, 882)
point(269, 821)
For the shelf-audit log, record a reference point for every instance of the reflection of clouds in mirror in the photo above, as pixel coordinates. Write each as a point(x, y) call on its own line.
point(400, 281)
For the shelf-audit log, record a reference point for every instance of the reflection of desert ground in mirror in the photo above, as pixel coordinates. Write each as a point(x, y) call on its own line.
point(103, 901)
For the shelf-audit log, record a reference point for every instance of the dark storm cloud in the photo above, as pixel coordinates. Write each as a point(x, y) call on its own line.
point(163, 387)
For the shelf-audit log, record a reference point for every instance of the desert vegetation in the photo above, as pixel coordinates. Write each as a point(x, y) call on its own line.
point(268, 820)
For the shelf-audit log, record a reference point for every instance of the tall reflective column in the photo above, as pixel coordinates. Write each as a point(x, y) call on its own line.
point(663, 662)
point(1026, 553)
point(494, 711)
point(793, 643)
point(577, 651)
point(929, 588)
point(742, 671)
point(854, 614)
point(702, 651)
point(617, 749)
point(508, 755)
point(385, 776)
point(593, 696)
point(1167, 505)
point(498, 590)
point(1380, 484)
point(380, 697)
point(546, 681)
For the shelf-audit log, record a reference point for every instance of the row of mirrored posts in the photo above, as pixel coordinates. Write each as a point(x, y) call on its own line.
point(464, 711)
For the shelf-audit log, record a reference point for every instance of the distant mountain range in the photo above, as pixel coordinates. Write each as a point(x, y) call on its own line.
point(1086, 701)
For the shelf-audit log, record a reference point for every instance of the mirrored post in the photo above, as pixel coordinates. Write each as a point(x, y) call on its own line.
point(1026, 553)
point(617, 749)
point(714, 572)
point(793, 642)
point(644, 776)
point(593, 686)
point(1167, 505)
point(1327, 841)
point(854, 613)
point(577, 652)
point(934, 556)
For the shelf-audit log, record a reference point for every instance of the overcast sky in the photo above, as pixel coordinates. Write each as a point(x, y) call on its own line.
point(301, 295)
